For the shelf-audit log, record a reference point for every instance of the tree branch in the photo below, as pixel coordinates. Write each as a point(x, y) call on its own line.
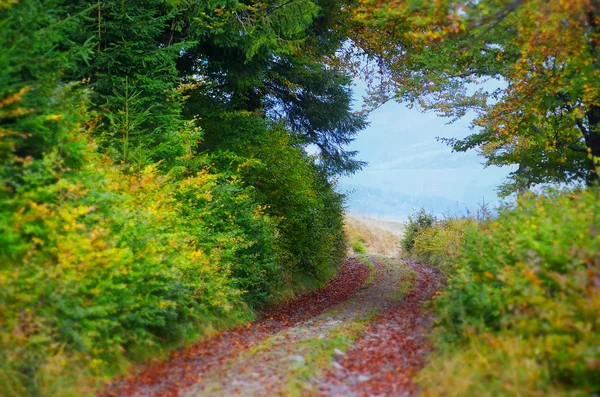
point(579, 124)
point(497, 19)
point(577, 149)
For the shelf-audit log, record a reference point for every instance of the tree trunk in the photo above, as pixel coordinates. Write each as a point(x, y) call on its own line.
point(592, 141)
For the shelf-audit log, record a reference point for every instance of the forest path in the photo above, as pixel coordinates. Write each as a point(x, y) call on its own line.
point(362, 334)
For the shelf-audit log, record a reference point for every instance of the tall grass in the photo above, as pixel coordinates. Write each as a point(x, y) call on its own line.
point(369, 236)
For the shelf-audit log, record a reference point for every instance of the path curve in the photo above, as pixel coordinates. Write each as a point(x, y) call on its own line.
point(185, 367)
point(392, 348)
point(363, 334)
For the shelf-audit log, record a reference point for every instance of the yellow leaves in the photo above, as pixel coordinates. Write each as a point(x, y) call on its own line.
point(96, 363)
point(531, 276)
point(53, 117)
point(37, 210)
point(15, 113)
point(166, 304)
point(259, 210)
point(197, 254)
point(16, 97)
point(590, 94)
point(248, 163)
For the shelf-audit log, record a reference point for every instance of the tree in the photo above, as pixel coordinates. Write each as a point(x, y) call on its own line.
point(271, 59)
point(545, 53)
point(37, 112)
point(132, 73)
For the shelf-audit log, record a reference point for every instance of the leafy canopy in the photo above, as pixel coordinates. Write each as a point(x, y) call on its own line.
point(436, 55)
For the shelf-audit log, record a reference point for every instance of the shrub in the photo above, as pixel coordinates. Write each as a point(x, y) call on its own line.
point(118, 238)
point(417, 222)
point(110, 265)
point(102, 265)
point(441, 243)
point(293, 189)
point(531, 275)
point(358, 247)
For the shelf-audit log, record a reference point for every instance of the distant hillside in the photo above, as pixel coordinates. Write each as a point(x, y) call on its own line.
point(377, 237)
point(400, 179)
point(389, 204)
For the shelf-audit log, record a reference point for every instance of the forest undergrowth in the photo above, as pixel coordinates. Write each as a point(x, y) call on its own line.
point(168, 169)
point(153, 190)
point(520, 313)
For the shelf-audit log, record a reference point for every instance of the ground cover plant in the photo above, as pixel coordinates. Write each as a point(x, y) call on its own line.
point(372, 236)
point(156, 184)
point(519, 315)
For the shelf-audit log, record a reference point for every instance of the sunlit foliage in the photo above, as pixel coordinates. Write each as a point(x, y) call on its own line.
point(520, 316)
point(544, 56)
point(146, 199)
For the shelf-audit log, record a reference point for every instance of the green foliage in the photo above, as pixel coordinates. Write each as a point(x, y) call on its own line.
point(294, 190)
point(527, 288)
point(272, 60)
point(441, 243)
point(131, 221)
point(35, 113)
point(132, 75)
point(542, 113)
point(110, 265)
point(358, 247)
point(417, 223)
point(315, 102)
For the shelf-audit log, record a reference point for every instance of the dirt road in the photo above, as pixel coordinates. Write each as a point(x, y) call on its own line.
point(363, 334)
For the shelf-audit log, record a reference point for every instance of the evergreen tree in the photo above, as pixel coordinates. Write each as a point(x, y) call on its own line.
point(133, 77)
point(275, 67)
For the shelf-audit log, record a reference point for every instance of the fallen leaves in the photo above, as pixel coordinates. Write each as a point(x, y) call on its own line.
point(186, 366)
point(393, 347)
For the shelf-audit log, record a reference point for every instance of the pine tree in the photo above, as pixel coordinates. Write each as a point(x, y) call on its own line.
point(133, 77)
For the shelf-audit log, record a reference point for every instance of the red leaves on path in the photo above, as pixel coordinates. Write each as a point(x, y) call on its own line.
point(186, 366)
point(392, 349)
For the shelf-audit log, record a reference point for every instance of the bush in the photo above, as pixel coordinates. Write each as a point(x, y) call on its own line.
point(441, 243)
point(118, 238)
point(417, 222)
point(358, 247)
point(111, 265)
point(103, 263)
point(293, 189)
point(531, 276)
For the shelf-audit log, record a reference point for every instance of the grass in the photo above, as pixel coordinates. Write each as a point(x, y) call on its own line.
point(366, 260)
point(378, 238)
point(519, 316)
point(490, 366)
point(406, 278)
point(318, 352)
point(358, 246)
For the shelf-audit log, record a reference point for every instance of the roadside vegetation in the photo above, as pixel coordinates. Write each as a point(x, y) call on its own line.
point(154, 182)
point(519, 316)
point(520, 313)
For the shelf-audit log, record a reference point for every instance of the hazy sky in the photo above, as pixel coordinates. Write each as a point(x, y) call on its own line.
point(406, 159)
